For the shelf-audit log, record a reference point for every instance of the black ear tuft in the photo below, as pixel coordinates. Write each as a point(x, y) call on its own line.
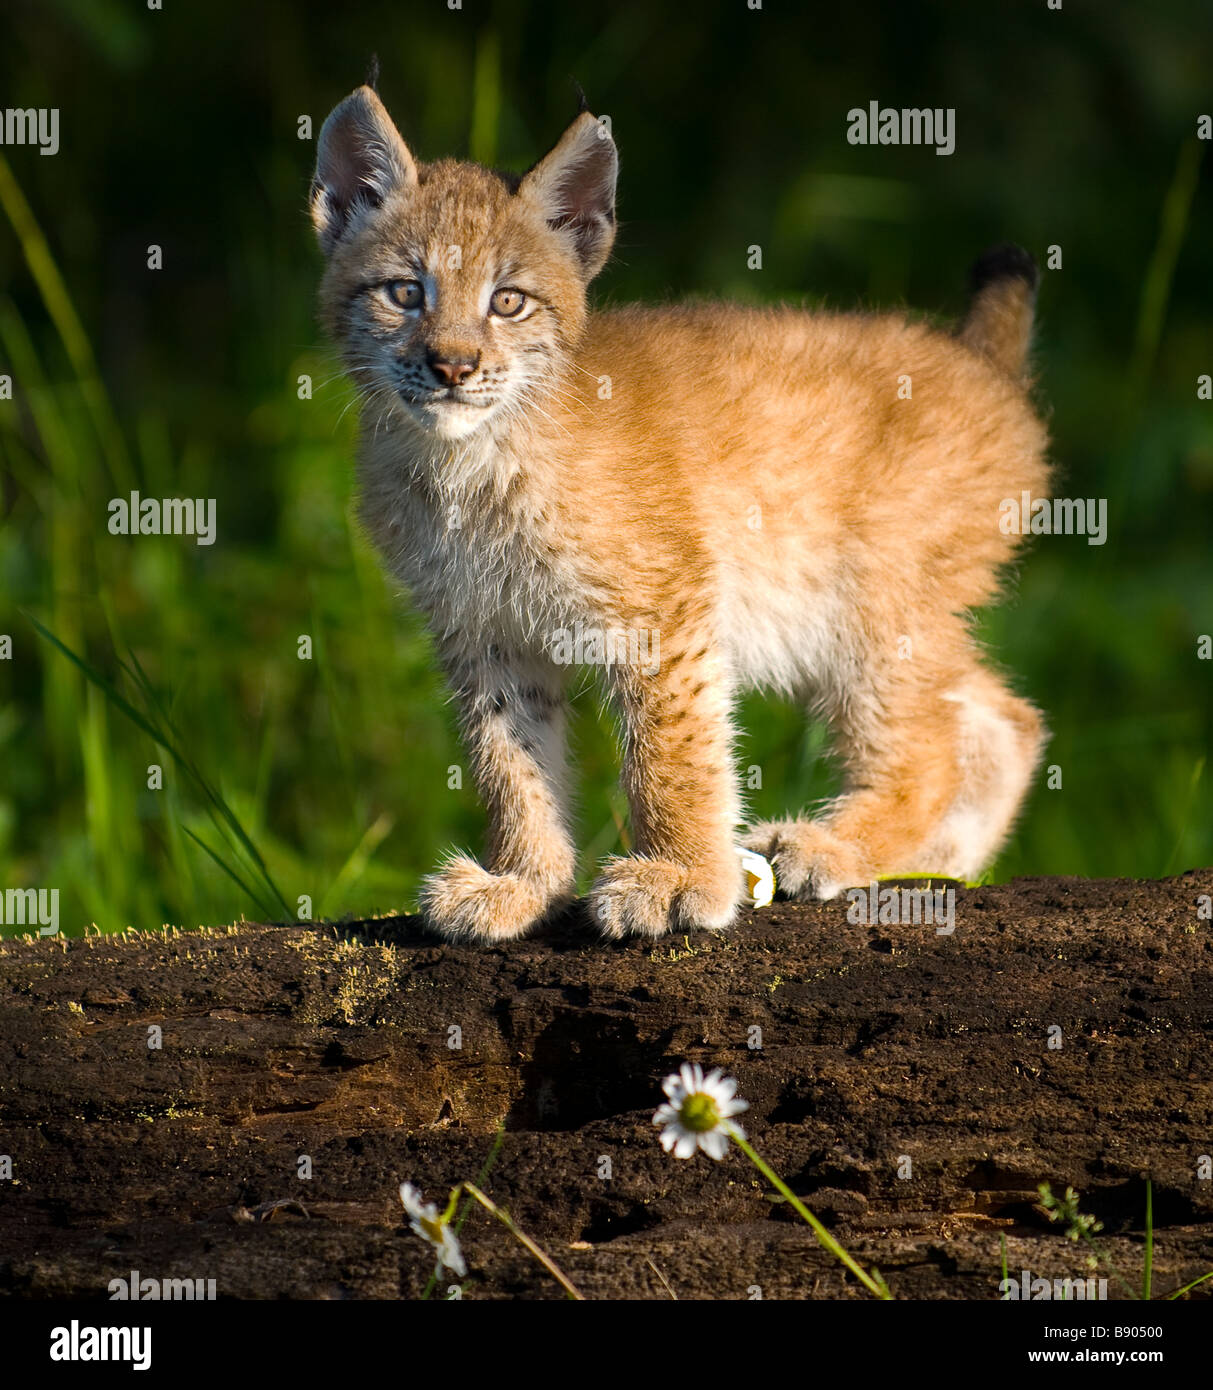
point(372, 73)
point(582, 104)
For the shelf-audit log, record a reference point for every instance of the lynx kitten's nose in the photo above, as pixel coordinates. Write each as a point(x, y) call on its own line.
point(452, 371)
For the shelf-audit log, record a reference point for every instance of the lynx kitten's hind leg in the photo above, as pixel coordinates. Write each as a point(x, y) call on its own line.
point(932, 787)
point(1000, 744)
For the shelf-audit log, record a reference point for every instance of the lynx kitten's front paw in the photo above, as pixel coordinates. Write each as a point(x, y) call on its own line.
point(649, 897)
point(464, 902)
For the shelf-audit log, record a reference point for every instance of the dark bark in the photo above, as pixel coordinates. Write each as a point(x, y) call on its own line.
point(877, 1042)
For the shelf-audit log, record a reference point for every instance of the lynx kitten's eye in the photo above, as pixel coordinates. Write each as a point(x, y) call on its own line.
point(507, 304)
point(408, 294)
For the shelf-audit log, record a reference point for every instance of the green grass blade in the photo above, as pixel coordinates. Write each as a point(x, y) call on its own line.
point(152, 698)
point(1156, 292)
point(486, 99)
point(355, 866)
point(181, 759)
point(1187, 1288)
point(106, 687)
point(227, 869)
point(1185, 817)
point(62, 311)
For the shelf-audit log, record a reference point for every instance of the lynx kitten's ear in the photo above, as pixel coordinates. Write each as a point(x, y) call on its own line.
point(574, 185)
point(360, 159)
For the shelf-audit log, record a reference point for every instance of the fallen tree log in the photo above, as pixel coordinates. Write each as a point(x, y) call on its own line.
point(240, 1104)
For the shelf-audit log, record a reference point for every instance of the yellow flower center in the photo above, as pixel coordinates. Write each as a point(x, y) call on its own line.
point(699, 1113)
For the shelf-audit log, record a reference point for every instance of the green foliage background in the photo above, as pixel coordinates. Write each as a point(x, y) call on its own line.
point(1075, 128)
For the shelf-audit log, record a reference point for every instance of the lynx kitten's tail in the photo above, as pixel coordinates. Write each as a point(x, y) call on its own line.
point(999, 323)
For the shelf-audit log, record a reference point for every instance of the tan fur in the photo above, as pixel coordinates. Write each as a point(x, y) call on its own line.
point(746, 483)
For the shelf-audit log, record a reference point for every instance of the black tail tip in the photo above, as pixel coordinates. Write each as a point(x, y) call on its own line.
point(1006, 262)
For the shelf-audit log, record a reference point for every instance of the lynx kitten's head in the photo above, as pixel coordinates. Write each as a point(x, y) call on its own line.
point(453, 291)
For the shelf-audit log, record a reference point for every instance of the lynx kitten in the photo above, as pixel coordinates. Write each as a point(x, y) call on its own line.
point(698, 499)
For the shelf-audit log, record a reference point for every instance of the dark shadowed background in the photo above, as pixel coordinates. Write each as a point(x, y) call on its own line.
point(180, 128)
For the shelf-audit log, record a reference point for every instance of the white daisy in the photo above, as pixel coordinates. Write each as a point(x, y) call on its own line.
point(424, 1219)
point(759, 878)
point(699, 1112)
